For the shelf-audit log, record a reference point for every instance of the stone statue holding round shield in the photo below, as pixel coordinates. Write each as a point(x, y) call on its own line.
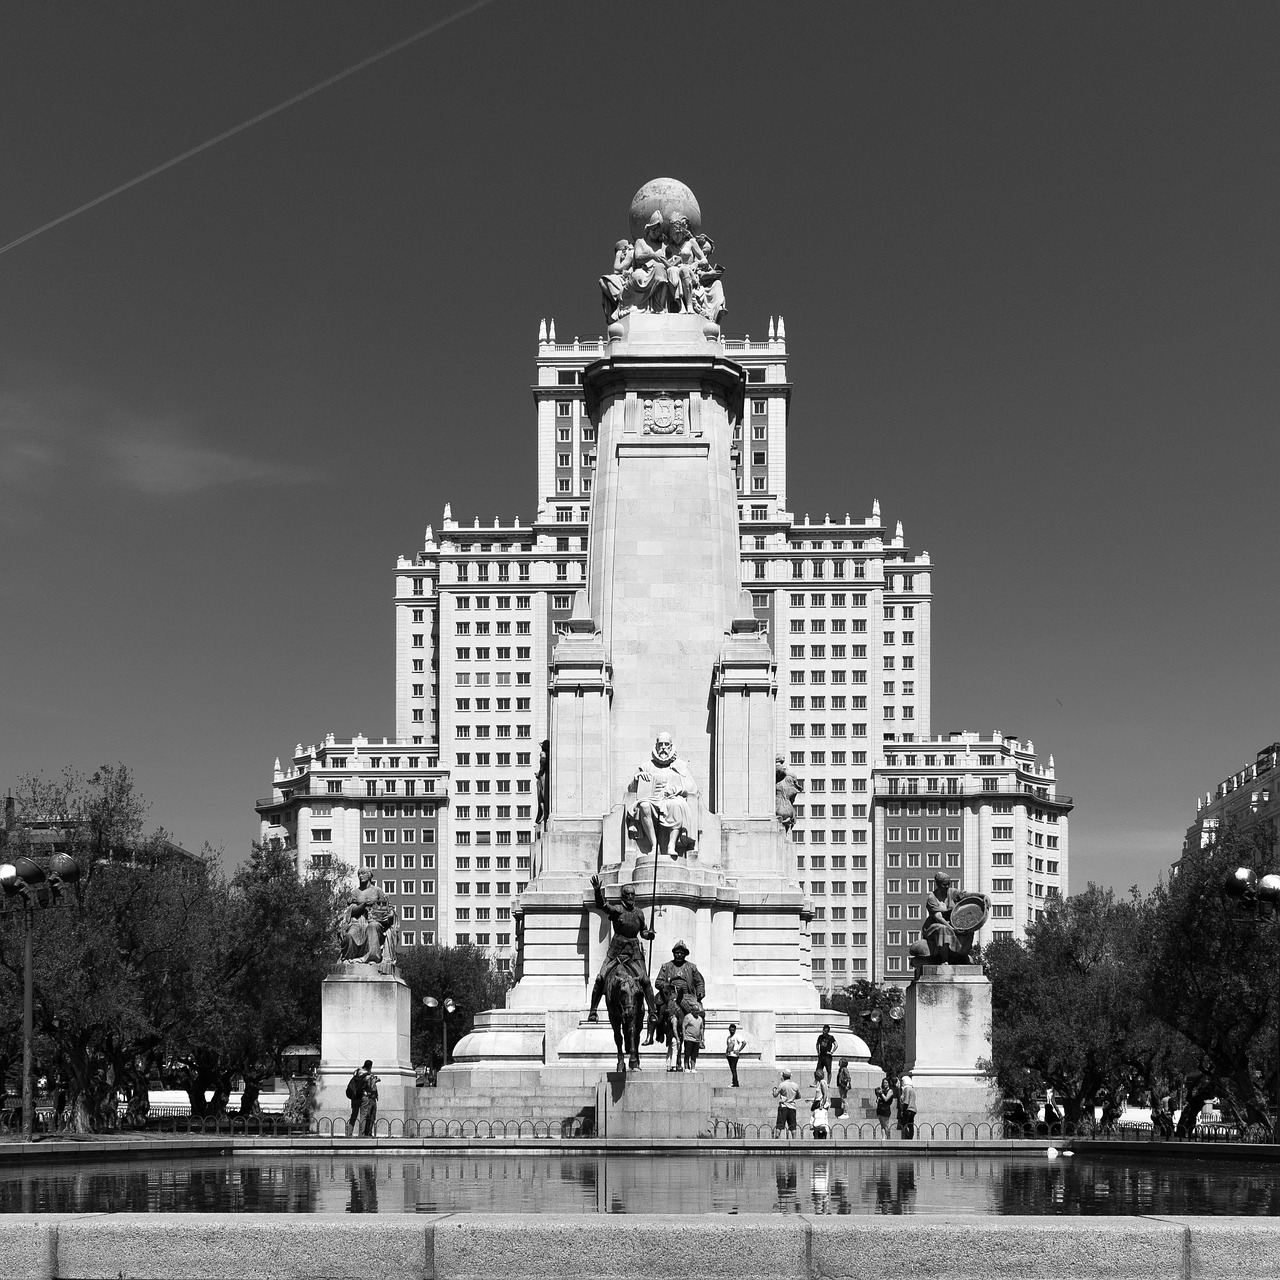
point(952, 918)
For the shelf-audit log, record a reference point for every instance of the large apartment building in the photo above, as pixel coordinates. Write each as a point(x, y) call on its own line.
point(1249, 797)
point(847, 606)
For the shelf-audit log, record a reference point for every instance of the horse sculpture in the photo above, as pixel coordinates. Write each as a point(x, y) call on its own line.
point(625, 1000)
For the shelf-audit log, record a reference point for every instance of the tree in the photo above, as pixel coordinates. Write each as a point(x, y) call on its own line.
point(1211, 974)
point(1068, 1007)
point(870, 1010)
point(465, 973)
point(251, 985)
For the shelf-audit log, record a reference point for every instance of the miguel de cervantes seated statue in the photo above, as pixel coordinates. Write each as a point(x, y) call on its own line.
point(661, 816)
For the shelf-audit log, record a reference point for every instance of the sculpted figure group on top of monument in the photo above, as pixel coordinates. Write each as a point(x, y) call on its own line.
point(668, 268)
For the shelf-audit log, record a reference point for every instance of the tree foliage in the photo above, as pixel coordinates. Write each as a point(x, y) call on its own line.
point(466, 974)
point(1069, 1008)
point(870, 1009)
point(1211, 970)
point(162, 969)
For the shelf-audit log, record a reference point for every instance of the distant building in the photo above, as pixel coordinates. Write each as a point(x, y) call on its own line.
point(981, 810)
point(1249, 798)
point(847, 607)
point(45, 834)
point(360, 804)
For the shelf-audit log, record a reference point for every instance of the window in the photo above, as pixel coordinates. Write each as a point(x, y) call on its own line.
point(1002, 911)
point(1002, 833)
point(564, 408)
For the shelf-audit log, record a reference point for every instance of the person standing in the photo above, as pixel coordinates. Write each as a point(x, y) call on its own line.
point(818, 1107)
point(368, 1118)
point(826, 1050)
point(884, 1107)
point(907, 1108)
point(355, 1092)
point(787, 1093)
point(843, 1086)
point(734, 1047)
point(692, 1033)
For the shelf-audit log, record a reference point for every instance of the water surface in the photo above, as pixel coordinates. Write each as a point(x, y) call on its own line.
point(540, 1182)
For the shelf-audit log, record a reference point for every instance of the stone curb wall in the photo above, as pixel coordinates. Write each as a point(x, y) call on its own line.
point(473, 1246)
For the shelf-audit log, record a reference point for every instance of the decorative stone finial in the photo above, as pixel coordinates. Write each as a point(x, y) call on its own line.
point(542, 330)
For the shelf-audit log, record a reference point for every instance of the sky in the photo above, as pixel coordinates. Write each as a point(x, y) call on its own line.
point(1027, 256)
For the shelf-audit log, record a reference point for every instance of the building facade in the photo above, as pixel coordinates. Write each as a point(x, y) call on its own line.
point(1249, 797)
point(847, 607)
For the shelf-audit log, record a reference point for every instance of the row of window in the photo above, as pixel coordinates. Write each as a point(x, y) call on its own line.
point(482, 604)
point(502, 812)
point(482, 759)
point(406, 835)
point(820, 837)
point(894, 834)
point(502, 704)
point(837, 730)
point(839, 939)
point(499, 731)
point(523, 653)
point(463, 628)
point(854, 964)
point(462, 571)
point(483, 887)
point(486, 837)
point(409, 861)
point(913, 860)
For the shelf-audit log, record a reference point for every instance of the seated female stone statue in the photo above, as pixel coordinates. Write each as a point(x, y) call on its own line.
point(367, 928)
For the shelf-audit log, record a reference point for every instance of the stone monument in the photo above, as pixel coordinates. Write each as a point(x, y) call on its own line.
point(364, 1009)
point(662, 656)
point(948, 1022)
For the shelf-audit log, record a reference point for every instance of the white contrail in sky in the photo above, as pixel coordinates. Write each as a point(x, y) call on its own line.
point(248, 124)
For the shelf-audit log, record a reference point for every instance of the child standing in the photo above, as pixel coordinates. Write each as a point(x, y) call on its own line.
point(692, 1032)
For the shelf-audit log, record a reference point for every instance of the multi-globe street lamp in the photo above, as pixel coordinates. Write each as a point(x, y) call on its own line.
point(1259, 901)
point(27, 885)
point(445, 1006)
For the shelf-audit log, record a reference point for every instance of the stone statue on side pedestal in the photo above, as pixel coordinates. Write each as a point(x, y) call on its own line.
point(367, 929)
point(624, 977)
point(788, 787)
point(952, 918)
point(660, 816)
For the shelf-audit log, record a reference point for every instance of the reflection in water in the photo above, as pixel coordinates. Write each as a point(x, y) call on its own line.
point(537, 1182)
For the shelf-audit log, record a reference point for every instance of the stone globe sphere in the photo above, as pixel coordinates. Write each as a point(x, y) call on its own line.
point(668, 197)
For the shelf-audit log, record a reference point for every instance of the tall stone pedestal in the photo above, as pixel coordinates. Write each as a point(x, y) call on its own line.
point(948, 1035)
point(365, 1014)
point(629, 1105)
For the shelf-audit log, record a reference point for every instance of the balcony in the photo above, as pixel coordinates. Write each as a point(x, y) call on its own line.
point(910, 789)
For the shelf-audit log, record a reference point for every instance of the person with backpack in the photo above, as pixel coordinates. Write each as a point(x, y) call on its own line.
point(355, 1093)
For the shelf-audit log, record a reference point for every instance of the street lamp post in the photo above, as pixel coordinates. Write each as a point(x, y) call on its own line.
point(26, 879)
point(445, 1006)
point(1259, 899)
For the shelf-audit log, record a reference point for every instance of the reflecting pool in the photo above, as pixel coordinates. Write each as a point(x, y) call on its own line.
point(541, 1182)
